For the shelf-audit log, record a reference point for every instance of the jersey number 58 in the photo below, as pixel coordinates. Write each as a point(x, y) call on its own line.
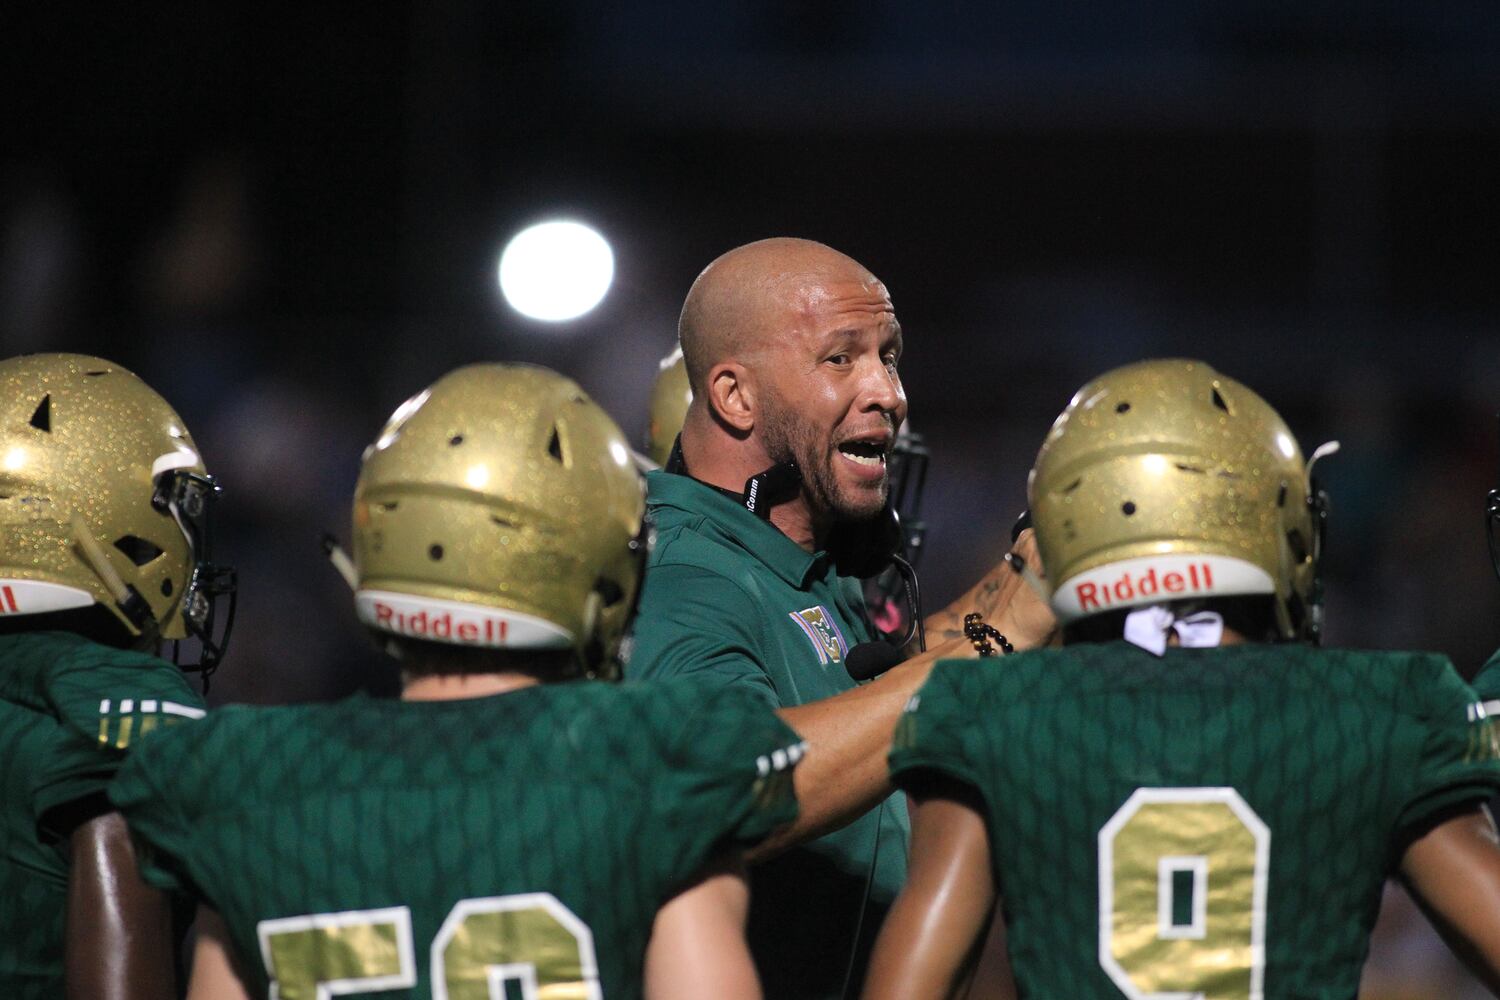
point(530, 939)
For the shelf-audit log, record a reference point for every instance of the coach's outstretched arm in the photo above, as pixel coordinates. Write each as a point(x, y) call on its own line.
point(845, 775)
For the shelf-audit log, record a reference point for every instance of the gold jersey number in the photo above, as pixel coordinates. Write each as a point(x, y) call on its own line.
point(531, 940)
point(1182, 895)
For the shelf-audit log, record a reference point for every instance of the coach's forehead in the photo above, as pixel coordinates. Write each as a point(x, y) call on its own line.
point(747, 299)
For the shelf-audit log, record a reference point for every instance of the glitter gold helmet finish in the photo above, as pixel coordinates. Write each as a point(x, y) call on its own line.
point(1165, 480)
point(670, 397)
point(501, 507)
point(104, 500)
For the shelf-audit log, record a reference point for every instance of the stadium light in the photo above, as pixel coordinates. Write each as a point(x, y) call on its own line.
point(556, 271)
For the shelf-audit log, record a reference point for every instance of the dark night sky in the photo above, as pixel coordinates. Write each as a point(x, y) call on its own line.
point(287, 219)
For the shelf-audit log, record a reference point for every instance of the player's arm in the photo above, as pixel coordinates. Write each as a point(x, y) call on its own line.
point(1454, 872)
point(697, 946)
point(119, 942)
point(934, 931)
point(214, 976)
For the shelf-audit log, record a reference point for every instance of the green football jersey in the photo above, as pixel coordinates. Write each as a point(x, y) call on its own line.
point(70, 712)
point(1214, 822)
point(528, 837)
point(1487, 684)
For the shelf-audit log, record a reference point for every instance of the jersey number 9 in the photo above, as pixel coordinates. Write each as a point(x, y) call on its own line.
point(1182, 895)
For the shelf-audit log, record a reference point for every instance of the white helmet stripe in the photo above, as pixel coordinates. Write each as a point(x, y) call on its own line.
point(457, 622)
point(35, 597)
point(1155, 579)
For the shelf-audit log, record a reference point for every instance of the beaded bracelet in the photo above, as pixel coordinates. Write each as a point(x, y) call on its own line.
point(980, 635)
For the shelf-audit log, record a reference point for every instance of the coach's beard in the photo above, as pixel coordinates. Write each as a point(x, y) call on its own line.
point(789, 438)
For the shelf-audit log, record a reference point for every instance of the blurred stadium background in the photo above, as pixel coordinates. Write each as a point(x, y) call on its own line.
point(287, 218)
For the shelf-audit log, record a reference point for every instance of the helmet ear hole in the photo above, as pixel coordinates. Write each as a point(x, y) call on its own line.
point(1298, 545)
point(41, 419)
point(609, 592)
point(1220, 402)
point(139, 551)
point(554, 446)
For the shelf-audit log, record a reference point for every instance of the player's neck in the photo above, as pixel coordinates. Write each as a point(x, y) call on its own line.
point(1229, 638)
point(453, 687)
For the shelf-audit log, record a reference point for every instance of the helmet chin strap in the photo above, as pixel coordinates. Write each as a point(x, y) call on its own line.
point(126, 597)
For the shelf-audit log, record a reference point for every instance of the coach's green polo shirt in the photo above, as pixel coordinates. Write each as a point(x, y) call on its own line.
point(731, 600)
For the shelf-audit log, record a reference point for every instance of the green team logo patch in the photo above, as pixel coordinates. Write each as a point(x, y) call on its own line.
point(819, 627)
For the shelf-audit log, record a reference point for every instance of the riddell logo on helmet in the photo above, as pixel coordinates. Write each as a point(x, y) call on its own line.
point(487, 631)
point(456, 622)
point(1128, 588)
point(1155, 580)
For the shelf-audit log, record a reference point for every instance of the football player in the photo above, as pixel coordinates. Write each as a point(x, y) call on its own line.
point(1189, 798)
point(505, 821)
point(670, 397)
point(1487, 681)
point(104, 516)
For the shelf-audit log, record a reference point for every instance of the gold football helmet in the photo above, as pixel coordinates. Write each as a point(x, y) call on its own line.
point(1164, 480)
point(670, 397)
point(104, 501)
point(501, 507)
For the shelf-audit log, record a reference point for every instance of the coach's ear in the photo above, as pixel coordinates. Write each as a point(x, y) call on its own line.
point(732, 395)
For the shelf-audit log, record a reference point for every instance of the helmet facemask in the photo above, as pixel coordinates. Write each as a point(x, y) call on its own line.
point(189, 497)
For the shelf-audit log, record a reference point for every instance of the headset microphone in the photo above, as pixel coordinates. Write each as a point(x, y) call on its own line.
point(871, 659)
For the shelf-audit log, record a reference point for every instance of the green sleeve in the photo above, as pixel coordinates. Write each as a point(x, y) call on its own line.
point(1457, 760)
point(729, 768)
point(106, 702)
point(1487, 681)
point(930, 735)
point(695, 622)
point(147, 791)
